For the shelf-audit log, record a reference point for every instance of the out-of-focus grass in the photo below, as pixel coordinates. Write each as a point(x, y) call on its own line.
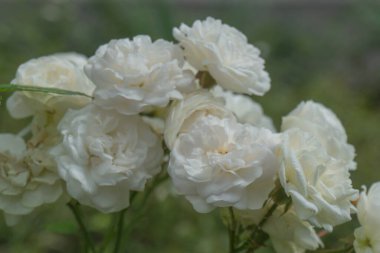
point(326, 52)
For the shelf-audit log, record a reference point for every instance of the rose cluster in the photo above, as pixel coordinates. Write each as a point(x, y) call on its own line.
point(187, 103)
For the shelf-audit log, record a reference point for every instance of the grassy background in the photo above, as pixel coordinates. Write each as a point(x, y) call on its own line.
point(328, 51)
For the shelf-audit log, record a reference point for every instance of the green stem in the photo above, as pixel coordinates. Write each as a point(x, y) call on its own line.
point(232, 230)
point(141, 207)
point(157, 182)
point(267, 215)
point(120, 224)
point(119, 230)
point(89, 245)
point(110, 233)
point(258, 237)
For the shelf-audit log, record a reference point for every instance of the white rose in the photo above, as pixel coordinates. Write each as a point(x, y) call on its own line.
point(78, 59)
point(104, 155)
point(367, 237)
point(221, 163)
point(325, 126)
point(225, 53)
point(245, 109)
point(319, 185)
point(287, 232)
point(23, 185)
point(185, 112)
point(131, 76)
point(63, 71)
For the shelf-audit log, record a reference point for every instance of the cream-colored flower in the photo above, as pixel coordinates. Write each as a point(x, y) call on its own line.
point(224, 52)
point(287, 232)
point(245, 109)
point(185, 112)
point(63, 71)
point(367, 237)
point(78, 59)
point(132, 76)
point(319, 185)
point(104, 155)
point(320, 121)
point(221, 163)
point(26, 182)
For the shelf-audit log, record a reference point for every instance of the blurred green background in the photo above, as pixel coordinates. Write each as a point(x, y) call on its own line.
point(328, 51)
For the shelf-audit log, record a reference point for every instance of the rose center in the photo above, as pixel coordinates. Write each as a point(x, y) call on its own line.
point(222, 150)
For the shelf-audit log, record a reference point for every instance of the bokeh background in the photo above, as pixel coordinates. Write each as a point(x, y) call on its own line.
point(324, 50)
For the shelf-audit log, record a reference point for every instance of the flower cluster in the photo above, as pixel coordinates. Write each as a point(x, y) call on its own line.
point(190, 100)
point(367, 237)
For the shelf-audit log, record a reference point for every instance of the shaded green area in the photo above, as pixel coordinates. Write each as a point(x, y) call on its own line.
point(326, 52)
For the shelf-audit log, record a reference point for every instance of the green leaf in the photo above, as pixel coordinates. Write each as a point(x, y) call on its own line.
point(18, 87)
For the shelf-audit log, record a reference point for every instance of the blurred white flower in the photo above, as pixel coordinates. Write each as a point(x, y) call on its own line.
point(320, 186)
point(26, 182)
point(367, 237)
point(224, 52)
point(325, 126)
point(185, 112)
point(131, 76)
point(287, 232)
point(104, 155)
point(63, 71)
point(221, 163)
point(245, 109)
point(78, 59)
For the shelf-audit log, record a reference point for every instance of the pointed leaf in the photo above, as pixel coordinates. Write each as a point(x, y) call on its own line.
point(18, 87)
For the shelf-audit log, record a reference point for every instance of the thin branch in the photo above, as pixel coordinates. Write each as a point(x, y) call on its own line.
point(74, 207)
point(254, 243)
